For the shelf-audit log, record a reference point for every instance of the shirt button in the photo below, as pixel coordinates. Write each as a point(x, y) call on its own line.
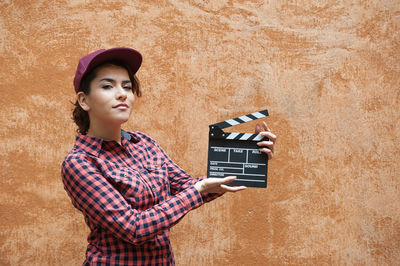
point(154, 189)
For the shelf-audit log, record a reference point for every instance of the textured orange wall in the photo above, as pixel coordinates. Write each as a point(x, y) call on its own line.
point(328, 71)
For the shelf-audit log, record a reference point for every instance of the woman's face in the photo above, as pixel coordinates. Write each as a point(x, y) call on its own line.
point(111, 97)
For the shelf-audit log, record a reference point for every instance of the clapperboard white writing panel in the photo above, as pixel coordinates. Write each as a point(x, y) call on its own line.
point(237, 154)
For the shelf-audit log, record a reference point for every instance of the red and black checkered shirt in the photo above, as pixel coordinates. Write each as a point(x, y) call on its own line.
point(130, 195)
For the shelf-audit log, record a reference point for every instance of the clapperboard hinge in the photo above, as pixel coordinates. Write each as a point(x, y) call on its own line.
point(216, 131)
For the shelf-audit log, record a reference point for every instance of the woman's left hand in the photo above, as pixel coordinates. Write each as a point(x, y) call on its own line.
point(266, 146)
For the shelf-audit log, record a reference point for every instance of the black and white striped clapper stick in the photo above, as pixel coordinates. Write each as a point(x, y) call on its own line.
point(216, 129)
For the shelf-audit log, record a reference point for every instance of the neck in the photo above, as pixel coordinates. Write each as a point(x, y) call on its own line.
point(106, 132)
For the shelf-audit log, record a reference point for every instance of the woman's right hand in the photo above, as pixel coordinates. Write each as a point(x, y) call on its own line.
point(217, 185)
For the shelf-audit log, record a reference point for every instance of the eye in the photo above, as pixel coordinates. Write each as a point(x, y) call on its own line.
point(106, 87)
point(128, 88)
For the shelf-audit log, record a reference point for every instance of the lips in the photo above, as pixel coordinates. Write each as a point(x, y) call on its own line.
point(121, 106)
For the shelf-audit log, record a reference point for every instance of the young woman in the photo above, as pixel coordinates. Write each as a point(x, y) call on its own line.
point(128, 189)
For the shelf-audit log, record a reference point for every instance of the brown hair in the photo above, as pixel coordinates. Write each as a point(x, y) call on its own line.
point(80, 116)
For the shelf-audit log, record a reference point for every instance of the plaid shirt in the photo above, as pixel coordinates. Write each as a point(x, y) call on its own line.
point(130, 195)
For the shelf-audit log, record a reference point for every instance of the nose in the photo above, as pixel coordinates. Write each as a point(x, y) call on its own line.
point(120, 93)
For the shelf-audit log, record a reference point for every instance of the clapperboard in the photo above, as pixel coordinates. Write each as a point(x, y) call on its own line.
point(237, 154)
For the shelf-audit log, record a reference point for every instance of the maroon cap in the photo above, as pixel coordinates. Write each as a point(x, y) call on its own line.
point(87, 63)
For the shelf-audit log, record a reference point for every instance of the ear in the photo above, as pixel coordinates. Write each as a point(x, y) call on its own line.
point(83, 101)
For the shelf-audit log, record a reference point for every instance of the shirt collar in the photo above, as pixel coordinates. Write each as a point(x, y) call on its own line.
point(93, 145)
point(125, 135)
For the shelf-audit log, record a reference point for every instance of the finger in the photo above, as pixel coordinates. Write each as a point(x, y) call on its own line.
point(227, 179)
point(212, 182)
point(269, 135)
point(269, 153)
point(258, 129)
point(266, 126)
point(268, 144)
point(232, 189)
